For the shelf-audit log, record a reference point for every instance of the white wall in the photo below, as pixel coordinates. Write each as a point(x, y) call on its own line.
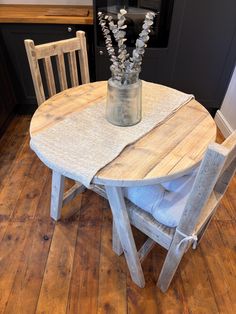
point(68, 2)
point(226, 116)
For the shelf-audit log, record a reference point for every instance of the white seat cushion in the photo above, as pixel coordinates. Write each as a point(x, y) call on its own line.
point(165, 201)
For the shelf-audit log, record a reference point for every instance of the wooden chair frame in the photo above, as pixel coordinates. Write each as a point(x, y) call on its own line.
point(212, 180)
point(57, 49)
point(45, 52)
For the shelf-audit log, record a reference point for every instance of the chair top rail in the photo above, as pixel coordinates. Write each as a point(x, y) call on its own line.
point(57, 47)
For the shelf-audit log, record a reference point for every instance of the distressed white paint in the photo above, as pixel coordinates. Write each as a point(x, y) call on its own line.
point(60, 2)
point(226, 116)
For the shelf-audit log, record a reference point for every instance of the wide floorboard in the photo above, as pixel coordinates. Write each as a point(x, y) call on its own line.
point(69, 266)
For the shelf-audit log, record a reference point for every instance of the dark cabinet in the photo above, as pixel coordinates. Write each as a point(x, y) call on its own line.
point(14, 36)
point(206, 53)
point(7, 96)
point(200, 55)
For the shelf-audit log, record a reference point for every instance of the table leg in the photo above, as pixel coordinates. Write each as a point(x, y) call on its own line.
point(57, 195)
point(120, 216)
point(116, 244)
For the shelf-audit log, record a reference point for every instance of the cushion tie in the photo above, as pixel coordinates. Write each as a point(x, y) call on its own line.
point(187, 238)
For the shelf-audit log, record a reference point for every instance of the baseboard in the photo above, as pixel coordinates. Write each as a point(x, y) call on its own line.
point(223, 124)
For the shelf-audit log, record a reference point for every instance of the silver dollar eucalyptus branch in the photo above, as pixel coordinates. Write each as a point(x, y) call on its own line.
point(125, 68)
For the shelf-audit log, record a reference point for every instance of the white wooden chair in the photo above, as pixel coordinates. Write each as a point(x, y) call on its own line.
point(58, 50)
point(211, 182)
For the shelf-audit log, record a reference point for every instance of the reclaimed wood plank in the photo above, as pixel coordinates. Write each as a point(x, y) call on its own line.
point(47, 63)
point(55, 286)
point(73, 68)
point(38, 14)
point(3, 228)
point(217, 263)
point(11, 143)
point(78, 99)
point(227, 207)
point(227, 231)
point(25, 291)
point(112, 273)
point(26, 205)
point(143, 301)
point(43, 207)
point(83, 293)
point(15, 181)
point(57, 48)
point(11, 252)
point(83, 57)
point(61, 70)
point(197, 287)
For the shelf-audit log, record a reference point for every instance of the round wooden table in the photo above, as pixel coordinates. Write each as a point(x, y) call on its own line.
point(170, 150)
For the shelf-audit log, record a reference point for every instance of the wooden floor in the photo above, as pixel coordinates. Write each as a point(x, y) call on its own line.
point(69, 266)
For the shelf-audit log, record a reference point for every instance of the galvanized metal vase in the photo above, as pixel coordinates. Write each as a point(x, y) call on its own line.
point(124, 103)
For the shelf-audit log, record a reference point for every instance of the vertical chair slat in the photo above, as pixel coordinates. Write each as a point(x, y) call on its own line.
point(229, 168)
point(61, 71)
point(35, 72)
point(73, 68)
point(83, 58)
point(225, 178)
point(47, 64)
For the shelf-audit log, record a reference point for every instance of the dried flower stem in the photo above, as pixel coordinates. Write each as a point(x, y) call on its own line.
point(140, 44)
point(123, 66)
point(107, 36)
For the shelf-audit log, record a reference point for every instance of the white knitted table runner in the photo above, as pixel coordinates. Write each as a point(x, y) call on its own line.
point(84, 142)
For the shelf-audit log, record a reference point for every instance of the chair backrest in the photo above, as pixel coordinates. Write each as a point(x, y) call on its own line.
point(60, 50)
point(214, 175)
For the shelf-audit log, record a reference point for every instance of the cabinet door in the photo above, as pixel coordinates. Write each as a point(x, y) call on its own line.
point(102, 64)
point(14, 36)
point(206, 50)
point(7, 97)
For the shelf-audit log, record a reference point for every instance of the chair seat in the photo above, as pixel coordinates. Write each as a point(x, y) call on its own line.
point(145, 222)
point(165, 202)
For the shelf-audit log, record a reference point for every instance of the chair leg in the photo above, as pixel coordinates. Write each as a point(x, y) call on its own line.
point(202, 232)
point(171, 264)
point(57, 195)
point(120, 216)
point(116, 244)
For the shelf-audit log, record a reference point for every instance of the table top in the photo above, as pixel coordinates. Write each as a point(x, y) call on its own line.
point(46, 14)
point(170, 150)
